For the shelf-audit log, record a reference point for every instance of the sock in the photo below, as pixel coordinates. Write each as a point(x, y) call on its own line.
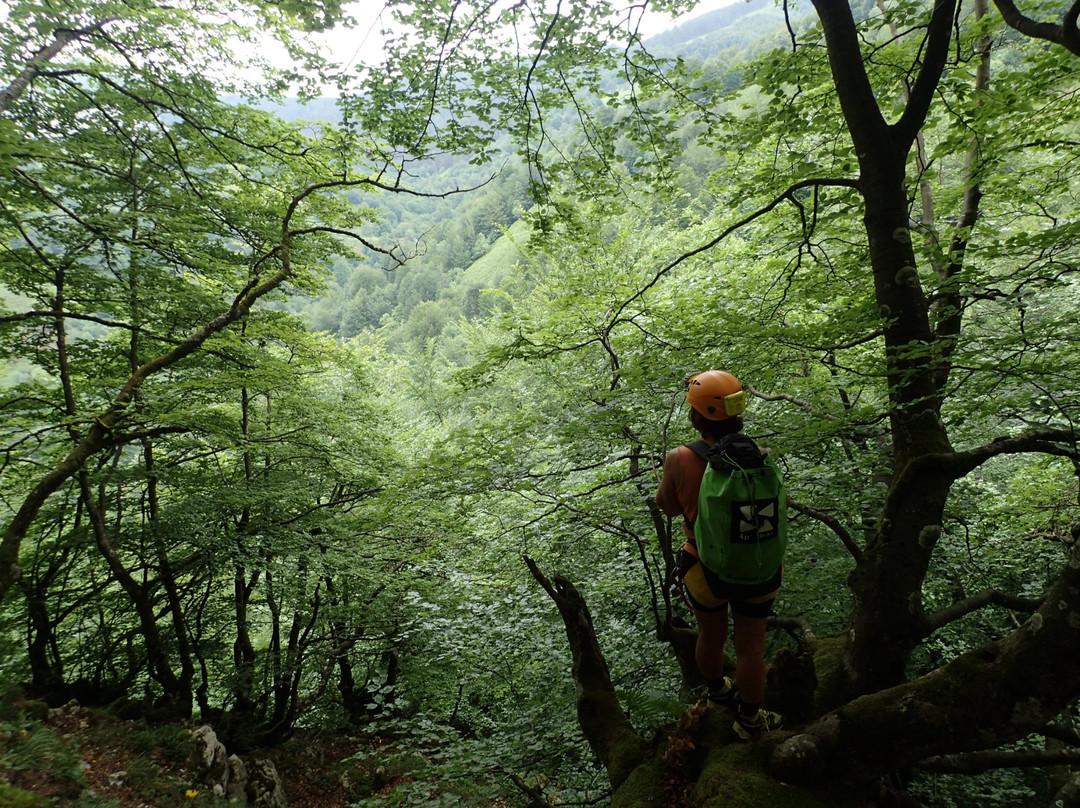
point(717, 686)
point(748, 710)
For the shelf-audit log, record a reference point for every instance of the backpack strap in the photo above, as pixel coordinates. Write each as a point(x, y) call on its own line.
point(734, 451)
point(700, 448)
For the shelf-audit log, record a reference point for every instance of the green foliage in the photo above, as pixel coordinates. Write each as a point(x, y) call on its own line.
point(18, 798)
point(31, 746)
point(1004, 788)
point(289, 528)
point(208, 552)
point(480, 707)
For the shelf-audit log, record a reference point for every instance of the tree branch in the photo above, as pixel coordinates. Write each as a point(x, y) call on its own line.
point(89, 318)
point(948, 306)
point(834, 524)
point(99, 435)
point(1041, 441)
point(979, 762)
point(857, 99)
point(1032, 674)
point(1067, 34)
point(1057, 442)
point(605, 725)
point(62, 37)
point(534, 795)
point(987, 597)
point(798, 402)
point(934, 55)
point(788, 194)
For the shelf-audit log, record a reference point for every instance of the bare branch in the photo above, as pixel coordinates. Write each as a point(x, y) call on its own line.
point(1067, 34)
point(978, 762)
point(834, 524)
point(788, 194)
point(798, 402)
point(535, 796)
point(89, 318)
point(987, 597)
point(1069, 793)
point(390, 253)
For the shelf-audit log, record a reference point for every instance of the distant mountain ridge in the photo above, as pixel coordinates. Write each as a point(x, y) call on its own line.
point(734, 26)
point(718, 22)
point(738, 26)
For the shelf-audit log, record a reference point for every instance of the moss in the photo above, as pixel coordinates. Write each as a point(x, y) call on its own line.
point(12, 797)
point(626, 753)
point(833, 684)
point(927, 713)
point(735, 776)
point(643, 788)
point(720, 771)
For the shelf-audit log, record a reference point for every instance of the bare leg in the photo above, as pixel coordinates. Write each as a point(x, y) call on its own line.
point(749, 641)
point(712, 634)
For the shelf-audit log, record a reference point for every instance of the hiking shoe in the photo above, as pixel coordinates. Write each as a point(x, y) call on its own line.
point(747, 726)
point(726, 696)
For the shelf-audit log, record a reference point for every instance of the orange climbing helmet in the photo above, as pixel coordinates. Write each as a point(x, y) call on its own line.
point(716, 394)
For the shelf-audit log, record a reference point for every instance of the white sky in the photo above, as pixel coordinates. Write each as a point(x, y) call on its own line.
point(363, 44)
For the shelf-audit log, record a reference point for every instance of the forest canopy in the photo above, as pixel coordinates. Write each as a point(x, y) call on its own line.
point(336, 394)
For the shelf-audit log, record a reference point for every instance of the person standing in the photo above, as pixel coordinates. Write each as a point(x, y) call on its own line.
point(717, 400)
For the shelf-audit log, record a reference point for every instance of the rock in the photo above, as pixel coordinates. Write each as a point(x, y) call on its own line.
point(798, 758)
point(235, 790)
point(71, 708)
point(264, 788)
point(228, 777)
point(211, 758)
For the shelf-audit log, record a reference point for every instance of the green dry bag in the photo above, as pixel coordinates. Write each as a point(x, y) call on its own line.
point(741, 525)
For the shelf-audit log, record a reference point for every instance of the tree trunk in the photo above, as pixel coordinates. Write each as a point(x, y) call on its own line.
point(606, 727)
point(100, 434)
point(177, 696)
point(887, 620)
point(995, 694)
point(46, 667)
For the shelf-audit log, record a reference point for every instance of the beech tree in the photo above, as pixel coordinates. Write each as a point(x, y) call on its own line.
point(929, 206)
point(911, 226)
point(130, 177)
point(151, 224)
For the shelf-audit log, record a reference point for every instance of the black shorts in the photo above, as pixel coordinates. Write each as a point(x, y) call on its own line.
point(707, 593)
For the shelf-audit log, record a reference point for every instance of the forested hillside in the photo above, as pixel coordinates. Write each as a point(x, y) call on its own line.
point(335, 397)
point(458, 252)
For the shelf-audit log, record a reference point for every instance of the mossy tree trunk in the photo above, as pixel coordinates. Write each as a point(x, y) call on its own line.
point(606, 727)
point(998, 693)
point(888, 620)
point(1001, 692)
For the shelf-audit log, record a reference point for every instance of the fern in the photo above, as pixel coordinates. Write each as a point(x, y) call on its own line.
point(37, 748)
point(651, 709)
